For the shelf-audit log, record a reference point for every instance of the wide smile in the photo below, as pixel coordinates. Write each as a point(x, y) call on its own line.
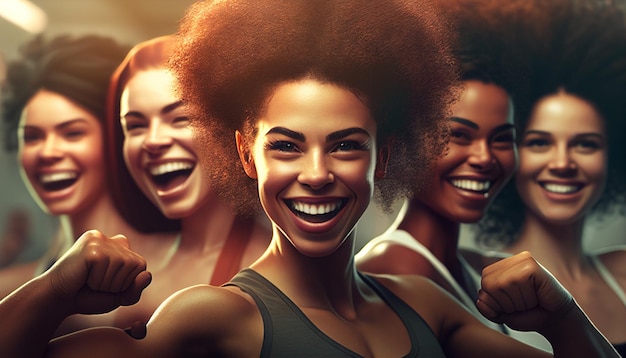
point(316, 212)
point(559, 188)
point(476, 186)
point(169, 175)
point(58, 180)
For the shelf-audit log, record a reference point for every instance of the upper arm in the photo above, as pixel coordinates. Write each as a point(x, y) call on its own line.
point(458, 331)
point(198, 321)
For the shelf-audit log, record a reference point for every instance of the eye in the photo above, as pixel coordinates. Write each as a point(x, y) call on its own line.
point(504, 140)
point(587, 146)
point(537, 144)
point(349, 145)
point(133, 125)
point(282, 146)
point(181, 121)
point(74, 134)
point(460, 137)
point(31, 137)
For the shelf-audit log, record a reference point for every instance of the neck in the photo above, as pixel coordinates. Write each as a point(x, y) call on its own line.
point(326, 283)
point(439, 234)
point(556, 246)
point(207, 229)
point(100, 215)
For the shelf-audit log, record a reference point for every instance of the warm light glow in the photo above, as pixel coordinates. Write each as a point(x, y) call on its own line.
point(24, 14)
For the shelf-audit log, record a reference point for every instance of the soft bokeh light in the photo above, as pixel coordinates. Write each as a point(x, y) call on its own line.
point(24, 14)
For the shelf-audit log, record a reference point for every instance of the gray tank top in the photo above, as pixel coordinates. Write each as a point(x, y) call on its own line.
point(289, 333)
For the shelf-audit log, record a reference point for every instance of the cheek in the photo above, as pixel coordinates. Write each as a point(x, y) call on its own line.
point(93, 152)
point(508, 162)
point(596, 170)
point(358, 176)
point(453, 158)
point(132, 154)
point(531, 163)
point(28, 159)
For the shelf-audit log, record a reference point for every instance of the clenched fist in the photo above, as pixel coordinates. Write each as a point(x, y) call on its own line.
point(520, 293)
point(98, 274)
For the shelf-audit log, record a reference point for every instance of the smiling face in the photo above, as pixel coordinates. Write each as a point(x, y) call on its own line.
point(563, 159)
point(158, 147)
point(314, 158)
point(61, 152)
point(481, 155)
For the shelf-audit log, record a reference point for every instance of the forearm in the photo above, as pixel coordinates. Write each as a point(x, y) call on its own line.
point(575, 336)
point(29, 316)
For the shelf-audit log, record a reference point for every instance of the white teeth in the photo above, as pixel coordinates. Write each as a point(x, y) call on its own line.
point(170, 167)
point(58, 176)
point(560, 188)
point(312, 209)
point(473, 185)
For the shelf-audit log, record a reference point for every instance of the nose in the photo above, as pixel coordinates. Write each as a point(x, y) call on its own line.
point(50, 150)
point(562, 162)
point(157, 139)
point(315, 172)
point(481, 157)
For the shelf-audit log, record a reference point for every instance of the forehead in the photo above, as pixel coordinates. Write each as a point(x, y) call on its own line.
point(565, 113)
point(49, 109)
point(484, 104)
point(310, 104)
point(148, 88)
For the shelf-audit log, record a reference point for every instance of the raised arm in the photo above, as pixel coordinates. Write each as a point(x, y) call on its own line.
point(96, 275)
point(519, 292)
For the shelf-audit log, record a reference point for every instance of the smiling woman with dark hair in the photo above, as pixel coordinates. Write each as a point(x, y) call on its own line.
point(571, 149)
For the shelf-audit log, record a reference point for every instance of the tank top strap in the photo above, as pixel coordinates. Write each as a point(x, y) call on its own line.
point(229, 260)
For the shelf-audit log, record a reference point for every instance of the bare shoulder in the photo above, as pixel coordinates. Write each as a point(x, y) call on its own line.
point(209, 320)
point(614, 258)
point(14, 276)
point(391, 257)
point(438, 308)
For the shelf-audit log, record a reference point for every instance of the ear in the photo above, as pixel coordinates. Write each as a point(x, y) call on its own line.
point(244, 155)
point(382, 159)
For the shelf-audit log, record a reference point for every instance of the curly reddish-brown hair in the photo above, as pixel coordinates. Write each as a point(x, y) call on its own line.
point(396, 54)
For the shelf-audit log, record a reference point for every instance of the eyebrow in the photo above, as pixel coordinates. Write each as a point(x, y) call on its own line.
point(474, 125)
point(62, 125)
point(504, 127)
point(287, 132)
point(587, 134)
point(165, 110)
point(299, 136)
point(170, 107)
point(464, 121)
point(346, 132)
